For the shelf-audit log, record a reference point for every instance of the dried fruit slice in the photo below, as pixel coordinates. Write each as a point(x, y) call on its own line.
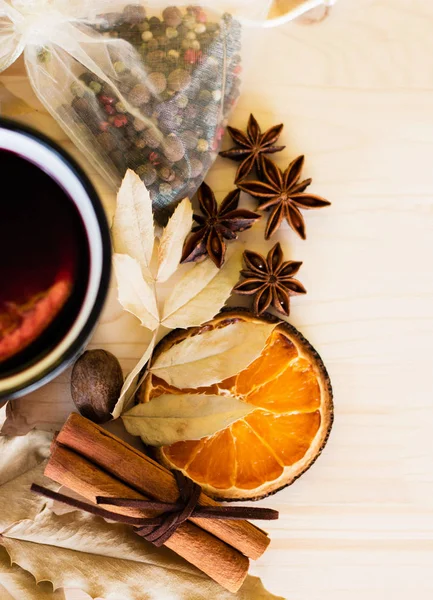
point(272, 446)
point(21, 324)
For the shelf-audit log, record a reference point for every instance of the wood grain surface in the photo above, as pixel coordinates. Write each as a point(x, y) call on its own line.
point(356, 95)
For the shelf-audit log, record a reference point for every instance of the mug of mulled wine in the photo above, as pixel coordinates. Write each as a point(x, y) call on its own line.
point(55, 257)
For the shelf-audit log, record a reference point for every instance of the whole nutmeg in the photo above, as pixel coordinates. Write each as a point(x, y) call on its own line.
point(96, 382)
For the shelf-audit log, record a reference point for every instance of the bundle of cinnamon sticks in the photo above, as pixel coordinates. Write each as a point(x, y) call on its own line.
point(92, 462)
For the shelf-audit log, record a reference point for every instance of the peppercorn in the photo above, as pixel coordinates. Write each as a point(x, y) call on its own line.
point(119, 66)
point(139, 124)
point(144, 26)
point(139, 95)
point(173, 55)
point(77, 89)
point(189, 21)
point(151, 137)
point(166, 174)
point(86, 77)
point(179, 79)
point(154, 21)
point(107, 140)
point(146, 35)
point(192, 56)
point(173, 148)
point(172, 16)
point(106, 99)
point(120, 120)
point(165, 188)
point(152, 44)
point(147, 173)
point(189, 139)
point(134, 13)
point(157, 82)
point(196, 167)
point(205, 96)
point(181, 100)
point(202, 145)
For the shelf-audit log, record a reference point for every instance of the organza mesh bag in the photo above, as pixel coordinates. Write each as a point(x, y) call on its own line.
point(145, 86)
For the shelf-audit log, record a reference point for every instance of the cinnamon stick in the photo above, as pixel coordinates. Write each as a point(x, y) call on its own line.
point(211, 555)
point(150, 478)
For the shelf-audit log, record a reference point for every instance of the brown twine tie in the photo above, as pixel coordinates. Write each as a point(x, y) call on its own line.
point(158, 530)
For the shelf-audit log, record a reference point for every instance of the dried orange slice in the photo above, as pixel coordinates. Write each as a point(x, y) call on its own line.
point(273, 445)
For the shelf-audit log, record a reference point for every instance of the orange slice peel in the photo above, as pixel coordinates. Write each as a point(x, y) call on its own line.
point(272, 446)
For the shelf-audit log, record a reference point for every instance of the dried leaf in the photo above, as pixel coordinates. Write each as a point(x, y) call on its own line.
point(3, 417)
point(136, 293)
point(130, 384)
point(46, 408)
point(109, 560)
point(133, 228)
point(17, 584)
point(21, 464)
point(174, 418)
point(212, 356)
point(201, 293)
point(173, 237)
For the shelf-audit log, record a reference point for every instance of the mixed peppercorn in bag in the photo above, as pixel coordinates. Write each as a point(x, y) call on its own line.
point(144, 86)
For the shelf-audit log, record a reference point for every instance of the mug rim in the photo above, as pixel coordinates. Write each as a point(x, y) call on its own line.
point(74, 348)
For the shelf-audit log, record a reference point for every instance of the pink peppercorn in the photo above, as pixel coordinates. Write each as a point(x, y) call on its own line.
point(106, 99)
point(237, 70)
point(200, 15)
point(104, 125)
point(219, 133)
point(154, 158)
point(120, 120)
point(110, 110)
point(192, 56)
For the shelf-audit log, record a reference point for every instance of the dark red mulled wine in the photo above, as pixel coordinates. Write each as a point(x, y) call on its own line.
point(44, 263)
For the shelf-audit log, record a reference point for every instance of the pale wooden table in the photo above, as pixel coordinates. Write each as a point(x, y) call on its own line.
point(356, 95)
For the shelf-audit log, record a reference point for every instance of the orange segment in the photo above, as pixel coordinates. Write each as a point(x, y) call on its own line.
point(215, 461)
point(256, 464)
point(295, 390)
point(271, 363)
point(289, 436)
point(181, 453)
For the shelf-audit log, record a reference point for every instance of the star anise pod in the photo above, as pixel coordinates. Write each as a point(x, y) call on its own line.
point(252, 146)
point(284, 194)
point(269, 280)
point(215, 225)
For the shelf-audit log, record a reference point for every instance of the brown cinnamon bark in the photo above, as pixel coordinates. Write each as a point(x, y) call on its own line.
point(148, 477)
point(211, 555)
